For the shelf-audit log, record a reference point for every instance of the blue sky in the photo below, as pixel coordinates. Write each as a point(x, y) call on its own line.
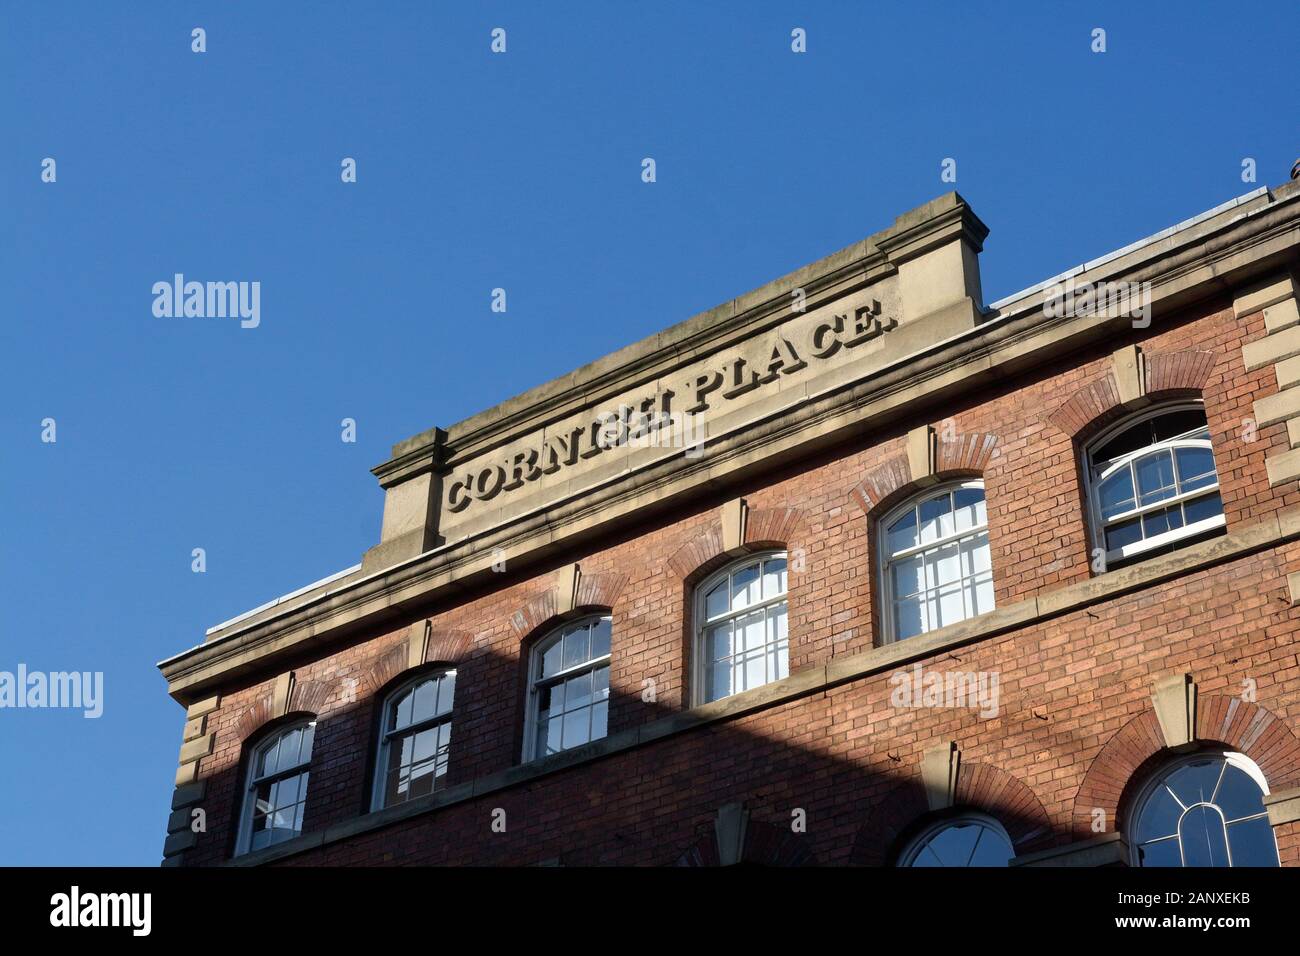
point(475, 171)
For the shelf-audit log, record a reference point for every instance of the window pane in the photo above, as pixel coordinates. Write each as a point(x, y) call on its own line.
point(550, 736)
point(1239, 796)
point(717, 641)
point(1202, 837)
point(286, 791)
point(975, 556)
point(425, 701)
point(402, 711)
point(1155, 477)
point(444, 747)
point(943, 565)
point(551, 698)
point(1196, 782)
point(1195, 467)
point(1201, 509)
point(992, 850)
point(577, 724)
point(599, 721)
point(552, 658)
point(600, 634)
point(1130, 440)
point(970, 511)
point(1164, 853)
point(1124, 533)
point(954, 845)
point(1252, 843)
point(778, 660)
point(308, 737)
point(719, 680)
point(902, 533)
point(951, 605)
point(979, 595)
point(446, 692)
point(750, 632)
point(773, 577)
point(936, 518)
point(966, 843)
point(744, 587)
point(906, 575)
point(577, 692)
point(1159, 816)
point(755, 668)
point(777, 625)
point(289, 745)
point(1158, 522)
point(269, 760)
point(576, 644)
point(1116, 493)
point(716, 601)
point(1172, 424)
point(909, 618)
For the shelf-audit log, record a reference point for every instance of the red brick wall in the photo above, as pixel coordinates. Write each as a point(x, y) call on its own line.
point(1067, 686)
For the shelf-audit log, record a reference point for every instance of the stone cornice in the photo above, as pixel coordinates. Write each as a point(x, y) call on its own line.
point(1204, 260)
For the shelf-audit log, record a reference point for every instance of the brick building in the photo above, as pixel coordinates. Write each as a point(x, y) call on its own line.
point(851, 569)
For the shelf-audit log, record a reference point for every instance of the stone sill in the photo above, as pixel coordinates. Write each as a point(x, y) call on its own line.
point(1242, 542)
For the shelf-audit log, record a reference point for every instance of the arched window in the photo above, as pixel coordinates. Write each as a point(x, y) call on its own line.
point(1203, 810)
point(1152, 482)
point(414, 739)
point(275, 789)
point(742, 638)
point(568, 688)
point(972, 839)
point(935, 563)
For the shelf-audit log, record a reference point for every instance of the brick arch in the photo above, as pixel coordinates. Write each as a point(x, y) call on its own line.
point(442, 647)
point(1172, 373)
point(307, 697)
point(765, 845)
point(1132, 752)
point(448, 647)
point(1166, 374)
point(596, 592)
point(600, 590)
point(254, 718)
point(703, 554)
point(965, 455)
point(310, 696)
point(385, 668)
point(980, 786)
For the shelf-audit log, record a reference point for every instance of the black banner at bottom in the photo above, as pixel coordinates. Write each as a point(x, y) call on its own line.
point(302, 905)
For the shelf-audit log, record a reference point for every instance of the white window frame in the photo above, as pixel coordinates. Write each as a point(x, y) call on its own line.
point(386, 736)
point(886, 559)
point(913, 849)
point(244, 841)
point(701, 621)
point(536, 682)
point(1162, 773)
point(1092, 484)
